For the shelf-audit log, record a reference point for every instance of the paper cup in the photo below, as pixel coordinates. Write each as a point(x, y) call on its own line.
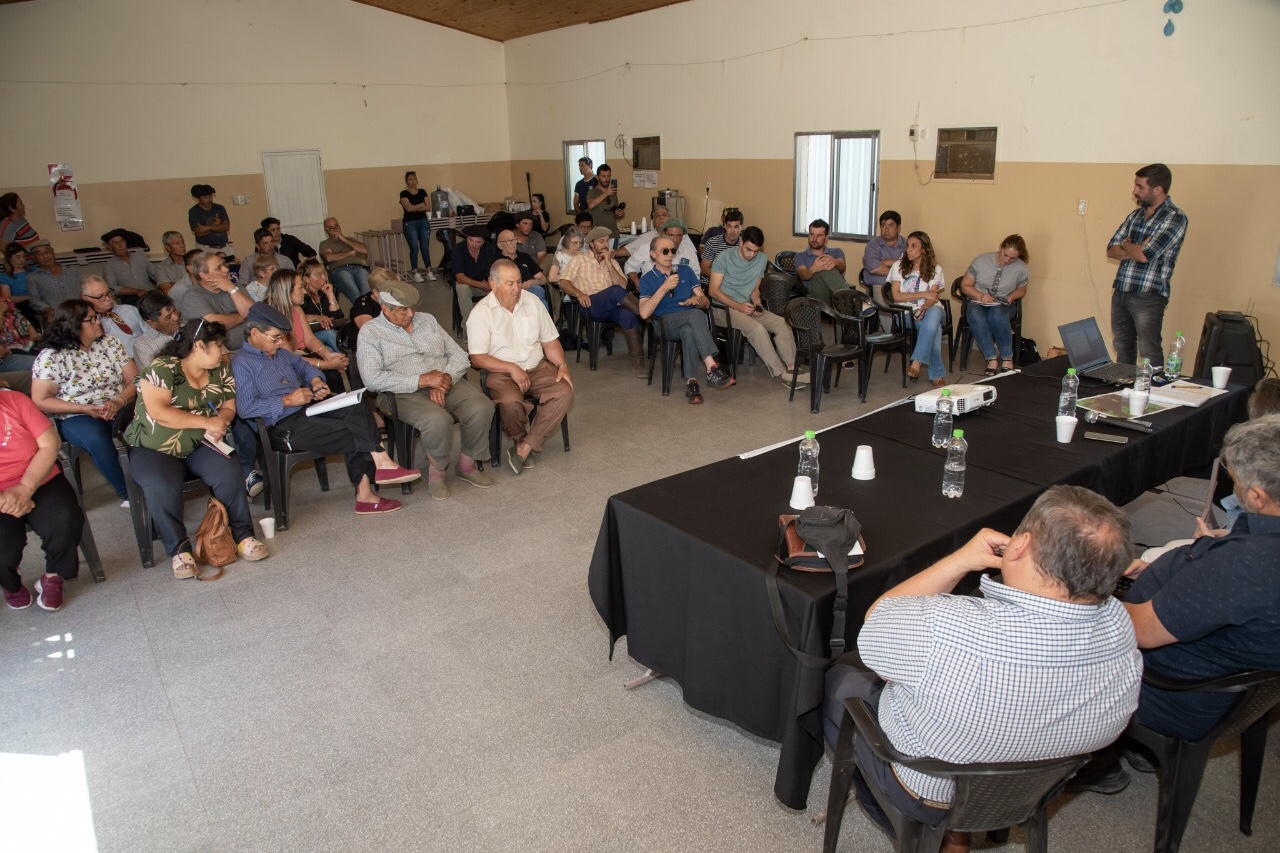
point(864, 466)
point(1221, 375)
point(802, 493)
point(268, 526)
point(1066, 428)
point(1138, 403)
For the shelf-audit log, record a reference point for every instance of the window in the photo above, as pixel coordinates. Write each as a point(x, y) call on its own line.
point(967, 153)
point(573, 151)
point(837, 176)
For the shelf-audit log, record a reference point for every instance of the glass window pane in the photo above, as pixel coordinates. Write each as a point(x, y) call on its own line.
point(573, 151)
point(813, 179)
point(855, 176)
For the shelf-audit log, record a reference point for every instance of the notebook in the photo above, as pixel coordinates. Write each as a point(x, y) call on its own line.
point(1088, 353)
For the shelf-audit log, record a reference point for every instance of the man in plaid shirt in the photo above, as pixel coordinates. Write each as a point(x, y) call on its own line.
point(1146, 244)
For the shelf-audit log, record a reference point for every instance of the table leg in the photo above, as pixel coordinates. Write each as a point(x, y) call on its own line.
point(649, 675)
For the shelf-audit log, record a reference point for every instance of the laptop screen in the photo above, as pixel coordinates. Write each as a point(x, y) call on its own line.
point(1083, 343)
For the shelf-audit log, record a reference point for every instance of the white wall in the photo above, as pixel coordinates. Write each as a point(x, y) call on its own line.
point(1064, 80)
point(138, 89)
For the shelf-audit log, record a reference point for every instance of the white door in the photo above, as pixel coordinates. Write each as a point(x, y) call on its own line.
point(295, 193)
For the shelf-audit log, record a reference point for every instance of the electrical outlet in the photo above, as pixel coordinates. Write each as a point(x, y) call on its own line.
point(913, 132)
point(1082, 207)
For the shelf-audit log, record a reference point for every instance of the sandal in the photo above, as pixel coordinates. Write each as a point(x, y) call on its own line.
point(913, 372)
point(252, 550)
point(991, 370)
point(184, 566)
point(1006, 365)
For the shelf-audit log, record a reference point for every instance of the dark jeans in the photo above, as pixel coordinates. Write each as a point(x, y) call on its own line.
point(690, 328)
point(161, 477)
point(245, 440)
point(1136, 320)
point(350, 431)
point(848, 682)
point(93, 435)
point(607, 307)
point(57, 519)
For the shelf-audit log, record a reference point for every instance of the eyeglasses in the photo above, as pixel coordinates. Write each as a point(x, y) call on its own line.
point(97, 296)
point(666, 251)
point(92, 318)
point(275, 339)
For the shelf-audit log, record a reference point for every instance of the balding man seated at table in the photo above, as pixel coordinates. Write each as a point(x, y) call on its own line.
point(510, 336)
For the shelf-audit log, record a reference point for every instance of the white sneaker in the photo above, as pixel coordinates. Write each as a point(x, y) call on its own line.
point(124, 504)
point(431, 276)
point(417, 276)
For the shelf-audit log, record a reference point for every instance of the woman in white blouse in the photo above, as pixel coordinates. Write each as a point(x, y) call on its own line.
point(916, 278)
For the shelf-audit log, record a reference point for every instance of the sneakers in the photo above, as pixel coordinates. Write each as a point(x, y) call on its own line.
point(1099, 780)
point(514, 460)
point(1138, 761)
point(391, 476)
point(528, 460)
point(691, 391)
point(431, 276)
point(49, 592)
point(718, 377)
point(253, 484)
point(475, 477)
point(378, 507)
point(124, 505)
point(19, 600)
point(439, 489)
point(417, 276)
point(184, 566)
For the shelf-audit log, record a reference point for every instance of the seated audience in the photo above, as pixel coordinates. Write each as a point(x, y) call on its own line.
point(917, 279)
point(366, 307)
point(172, 269)
point(735, 284)
point(714, 245)
point(1042, 665)
point(287, 244)
point(17, 339)
point(266, 250)
point(50, 283)
point(160, 322)
point(186, 400)
point(209, 221)
point(128, 273)
point(528, 240)
point(471, 260)
point(674, 294)
point(33, 491)
point(261, 270)
point(821, 267)
point(883, 249)
point(719, 230)
point(320, 303)
point(276, 386)
point(531, 277)
point(13, 280)
point(122, 322)
point(639, 260)
point(214, 297)
point(597, 283)
point(285, 293)
point(83, 377)
point(584, 223)
point(993, 282)
point(510, 336)
point(183, 284)
point(14, 227)
point(347, 260)
point(407, 354)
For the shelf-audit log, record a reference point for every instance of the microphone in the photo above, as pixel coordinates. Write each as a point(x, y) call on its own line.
point(1136, 426)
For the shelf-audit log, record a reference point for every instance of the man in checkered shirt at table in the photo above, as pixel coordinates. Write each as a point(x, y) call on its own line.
point(1042, 665)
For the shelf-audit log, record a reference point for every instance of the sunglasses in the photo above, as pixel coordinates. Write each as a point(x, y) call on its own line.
point(666, 251)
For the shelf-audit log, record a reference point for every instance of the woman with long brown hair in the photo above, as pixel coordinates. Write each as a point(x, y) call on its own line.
point(917, 278)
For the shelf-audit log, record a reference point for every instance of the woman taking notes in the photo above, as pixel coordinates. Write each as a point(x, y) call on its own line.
point(992, 283)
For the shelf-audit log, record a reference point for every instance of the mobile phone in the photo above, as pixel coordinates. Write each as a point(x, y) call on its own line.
point(614, 183)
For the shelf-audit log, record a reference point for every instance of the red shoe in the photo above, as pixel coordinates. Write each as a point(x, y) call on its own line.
point(19, 600)
point(49, 592)
point(391, 476)
point(378, 507)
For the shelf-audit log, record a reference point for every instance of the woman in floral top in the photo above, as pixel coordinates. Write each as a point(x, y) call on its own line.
point(187, 402)
point(83, 378)
point(917, 278)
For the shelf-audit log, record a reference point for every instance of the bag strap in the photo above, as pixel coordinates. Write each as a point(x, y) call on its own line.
point(838, 623)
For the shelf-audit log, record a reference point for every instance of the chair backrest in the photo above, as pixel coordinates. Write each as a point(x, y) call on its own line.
point(847, 308)
point(995, 796)
point(957, 293)
point(1258, 691)
point(785, 261)
point(804, 315)
point(776, 290)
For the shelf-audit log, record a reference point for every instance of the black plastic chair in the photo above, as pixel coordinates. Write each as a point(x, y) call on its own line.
point(278, 464)
point(785, 261)
point(988, 797)
point(447, 237)
point(659, 343)
point(69, 461)
point(894, 318)
point(404, 435)
point(777, 289)
point(495, 430)
point(1181, 763)
point(591, 334)
point(805, 317)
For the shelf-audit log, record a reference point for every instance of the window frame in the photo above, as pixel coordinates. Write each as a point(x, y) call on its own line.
point(834, 189)
point(573, 149)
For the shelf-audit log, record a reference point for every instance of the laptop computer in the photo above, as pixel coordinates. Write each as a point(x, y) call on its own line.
point(1089, 356)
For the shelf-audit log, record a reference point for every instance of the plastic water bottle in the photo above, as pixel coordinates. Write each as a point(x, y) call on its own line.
point(1069, 394)
point(808, 466)
point(942, 419)
point(953, 476)
point(1173, 366)
point(1142, 381)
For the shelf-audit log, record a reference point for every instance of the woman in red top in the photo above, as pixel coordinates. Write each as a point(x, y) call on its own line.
point(33, 492)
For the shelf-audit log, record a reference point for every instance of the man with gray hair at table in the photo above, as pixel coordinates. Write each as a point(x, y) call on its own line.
point(406, 353)
point(1042, 665)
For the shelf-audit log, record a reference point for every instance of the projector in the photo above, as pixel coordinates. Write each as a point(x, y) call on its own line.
point(965, 398)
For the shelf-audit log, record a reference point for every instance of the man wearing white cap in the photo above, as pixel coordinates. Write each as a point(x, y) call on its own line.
point(406, 353)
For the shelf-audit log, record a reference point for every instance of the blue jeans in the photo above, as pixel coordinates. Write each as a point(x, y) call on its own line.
point(16, 362)
point(540, 292)
point(417, 233)
point(351, 279)
point(245, 439)
point(328, 337)
point(928, 349)
point(991, 330)
point(607, 307)
point(1136, 318)
point(93, 435)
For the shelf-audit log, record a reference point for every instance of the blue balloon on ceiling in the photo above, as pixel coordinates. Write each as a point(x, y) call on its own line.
point(1168, 27)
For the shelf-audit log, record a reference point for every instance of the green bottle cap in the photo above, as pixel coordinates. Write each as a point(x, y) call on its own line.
point(810, 434)
point(1071, 371)
point(946, 392)
point(957, 433)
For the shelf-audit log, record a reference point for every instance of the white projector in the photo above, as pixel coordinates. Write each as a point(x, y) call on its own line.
point(965, 398)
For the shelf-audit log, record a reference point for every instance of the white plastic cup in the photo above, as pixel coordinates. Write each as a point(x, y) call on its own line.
point(802, 493)
point(1066, 428)
point(268, 527)
point(1221, 375)
point(864, 466)
point(1138, 403)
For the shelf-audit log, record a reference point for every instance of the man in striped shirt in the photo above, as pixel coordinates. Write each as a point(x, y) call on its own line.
point(1043, 665)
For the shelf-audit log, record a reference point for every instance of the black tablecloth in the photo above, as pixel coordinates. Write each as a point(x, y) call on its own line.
point(679, 563)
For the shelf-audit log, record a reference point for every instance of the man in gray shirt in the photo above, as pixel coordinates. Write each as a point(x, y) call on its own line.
point(527, 240)
point(50, 284)
point(213, 296)
point(171, 270)
point(129, 274)
point(266, 245)
point(884, 249)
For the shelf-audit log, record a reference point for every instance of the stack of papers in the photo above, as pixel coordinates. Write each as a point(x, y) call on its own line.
point(1184, 393)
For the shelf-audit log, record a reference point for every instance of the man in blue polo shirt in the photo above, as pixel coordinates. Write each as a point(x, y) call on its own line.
point(673, 293)
point(820, 267)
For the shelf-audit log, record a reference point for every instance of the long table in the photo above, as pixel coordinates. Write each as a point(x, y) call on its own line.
point(679, 564)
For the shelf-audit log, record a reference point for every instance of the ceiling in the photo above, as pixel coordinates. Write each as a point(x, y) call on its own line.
point(502, 20)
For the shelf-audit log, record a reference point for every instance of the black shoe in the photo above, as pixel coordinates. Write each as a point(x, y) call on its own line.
point(691, 391)
point(1138, 761)
point(1099, 780)
point(717, 378)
